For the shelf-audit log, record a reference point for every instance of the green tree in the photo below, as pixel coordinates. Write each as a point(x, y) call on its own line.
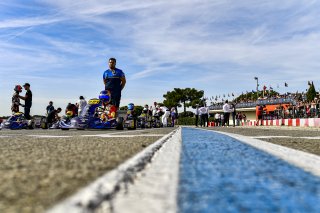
point(187, 97)
point(311, 93)
point(138, 109)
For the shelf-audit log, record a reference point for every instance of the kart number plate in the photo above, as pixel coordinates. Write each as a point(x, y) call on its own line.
point(94, 101)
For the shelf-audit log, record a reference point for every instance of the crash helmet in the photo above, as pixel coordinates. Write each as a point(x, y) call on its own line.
point(130, 106)
point(69, 113)
point(104, 96)
point(145, 110)
point(18, 88)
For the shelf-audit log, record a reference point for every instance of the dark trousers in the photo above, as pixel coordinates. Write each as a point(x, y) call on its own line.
point(27, 112)
point(226, 116)
point(115, 100)
point(204, 120)
point(234, 119)
point(197, 118)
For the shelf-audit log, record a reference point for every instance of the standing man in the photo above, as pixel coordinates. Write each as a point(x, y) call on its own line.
point(114, 81)
point(82, 103)
point(226, 113)
point(50, 107)
point(197, 114)
point(27, 100)
point(234, 113)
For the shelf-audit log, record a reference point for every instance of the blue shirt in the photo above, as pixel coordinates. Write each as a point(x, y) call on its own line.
point(113, 80)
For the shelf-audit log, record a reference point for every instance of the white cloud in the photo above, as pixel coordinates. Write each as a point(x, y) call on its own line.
point(163, 44)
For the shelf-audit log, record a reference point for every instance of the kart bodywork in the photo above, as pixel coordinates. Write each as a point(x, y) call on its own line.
point(18, 121)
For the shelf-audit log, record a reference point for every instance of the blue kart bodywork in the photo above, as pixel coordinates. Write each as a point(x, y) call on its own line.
point(17, 121)
point(89, 120)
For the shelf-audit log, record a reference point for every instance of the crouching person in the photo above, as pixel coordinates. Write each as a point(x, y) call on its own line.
point(53, 117)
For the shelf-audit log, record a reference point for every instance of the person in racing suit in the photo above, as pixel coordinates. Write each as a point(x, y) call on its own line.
point(71, 110)
point(114, 81)
point(106, 111)
point(15, 99)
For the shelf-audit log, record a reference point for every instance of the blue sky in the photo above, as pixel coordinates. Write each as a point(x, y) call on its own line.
point(61, 47)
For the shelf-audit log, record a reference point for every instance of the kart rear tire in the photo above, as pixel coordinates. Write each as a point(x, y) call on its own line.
point(119, 125)
point(64, 129)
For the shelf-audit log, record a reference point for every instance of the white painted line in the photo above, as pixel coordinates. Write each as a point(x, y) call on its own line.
point(312, 138)
point(123, 136)
point(257, 137)
point(105, 188)
point(155, 189)
point(270, 136)
point(49, 136)
point(308, 162)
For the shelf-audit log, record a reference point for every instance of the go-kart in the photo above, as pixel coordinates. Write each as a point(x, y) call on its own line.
point(45, 125)
point(89, 119)
point(18, 121)
point(144, 121)
point(131, 121)
point(156, 123)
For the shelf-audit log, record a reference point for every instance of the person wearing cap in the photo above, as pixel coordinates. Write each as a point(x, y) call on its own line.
point(27, 101)
point(114, 81)
point(50, 107)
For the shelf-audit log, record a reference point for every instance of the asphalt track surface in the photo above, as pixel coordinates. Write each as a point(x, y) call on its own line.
point(41, 168)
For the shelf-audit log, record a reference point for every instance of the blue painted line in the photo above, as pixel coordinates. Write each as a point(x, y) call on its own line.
point(220, 174)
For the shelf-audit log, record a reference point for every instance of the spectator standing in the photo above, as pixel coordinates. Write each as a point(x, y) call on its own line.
point(82, 103)
point(165, 116)
point(114, 81)
point(259, 113)
point(27, 100)
point(154, 108)
point(197, 114)
point(234, 113)
point(217, 119)
point(222, 119)
point(244, 117)
point(50, 107)
point(226, 113)
point(173, 116)
point(203, 112)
